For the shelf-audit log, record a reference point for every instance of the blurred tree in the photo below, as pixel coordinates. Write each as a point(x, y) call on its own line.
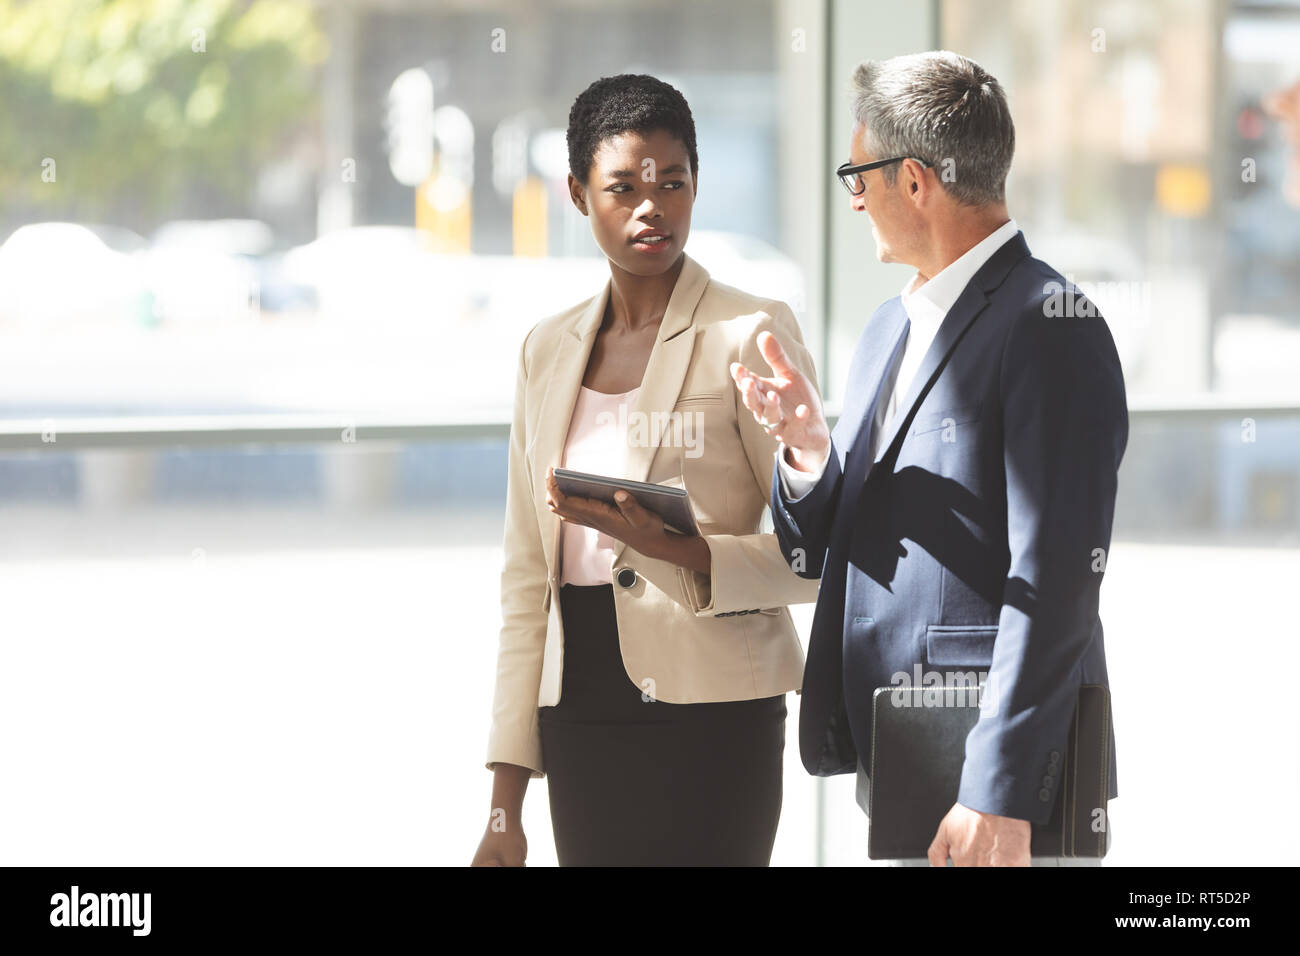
point(144, 103)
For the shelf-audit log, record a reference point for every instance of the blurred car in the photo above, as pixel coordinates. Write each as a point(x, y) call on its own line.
point(59, 273)
point(380, 274)
point(219, 270)
point(519, 291)
point(749, 264)
point(119, 238)
point(229, 237)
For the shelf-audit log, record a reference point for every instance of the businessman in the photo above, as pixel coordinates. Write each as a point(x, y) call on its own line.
point(959, 514)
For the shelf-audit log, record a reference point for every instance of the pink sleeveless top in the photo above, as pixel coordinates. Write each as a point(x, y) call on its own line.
point(597, 443)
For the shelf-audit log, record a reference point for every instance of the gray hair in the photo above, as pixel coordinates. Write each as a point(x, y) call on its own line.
point(945, 109)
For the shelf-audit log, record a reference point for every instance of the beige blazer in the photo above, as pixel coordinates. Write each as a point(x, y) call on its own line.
point(683, 639)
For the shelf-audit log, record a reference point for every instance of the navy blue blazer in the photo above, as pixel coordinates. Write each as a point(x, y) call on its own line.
point(977, 539)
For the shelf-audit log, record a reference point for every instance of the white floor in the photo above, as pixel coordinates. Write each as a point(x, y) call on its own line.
point(265, 686)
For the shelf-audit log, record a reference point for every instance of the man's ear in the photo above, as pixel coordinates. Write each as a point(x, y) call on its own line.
point(916, 186)
point(578, 193)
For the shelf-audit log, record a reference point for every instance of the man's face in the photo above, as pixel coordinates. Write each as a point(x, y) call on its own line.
point(881, 202)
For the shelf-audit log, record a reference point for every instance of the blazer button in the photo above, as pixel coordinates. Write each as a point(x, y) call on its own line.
point(626, 577)
point(1053, 756)
point(1044, 795)
point(1048, 781)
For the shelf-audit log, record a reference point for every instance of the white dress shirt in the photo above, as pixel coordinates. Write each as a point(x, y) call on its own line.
point(926, 304)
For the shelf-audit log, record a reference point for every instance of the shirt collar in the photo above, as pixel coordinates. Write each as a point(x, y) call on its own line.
point(931, 302)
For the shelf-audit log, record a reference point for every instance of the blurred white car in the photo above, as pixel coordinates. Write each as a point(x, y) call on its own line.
point(750, 265)
point(228, 237)
point(205, 271)
point(520, 291)
point(391, 275)
point(64, 273)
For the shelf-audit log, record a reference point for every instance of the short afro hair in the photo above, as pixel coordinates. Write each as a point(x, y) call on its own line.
point(626, 103)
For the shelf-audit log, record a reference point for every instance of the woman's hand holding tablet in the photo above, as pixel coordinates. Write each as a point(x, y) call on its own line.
point(655, 520)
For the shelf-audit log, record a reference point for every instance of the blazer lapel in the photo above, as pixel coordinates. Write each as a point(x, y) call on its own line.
point(670, 357)
point(968, 306)
point(873, 359)
point(564, 378)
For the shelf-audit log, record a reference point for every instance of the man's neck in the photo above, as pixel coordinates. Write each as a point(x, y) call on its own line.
point(957, 236)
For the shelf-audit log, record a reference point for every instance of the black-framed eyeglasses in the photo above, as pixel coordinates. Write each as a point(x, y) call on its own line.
point(848, 172)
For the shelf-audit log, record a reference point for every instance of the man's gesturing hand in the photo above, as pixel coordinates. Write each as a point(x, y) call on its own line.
point(973, 838)
point(787, 402)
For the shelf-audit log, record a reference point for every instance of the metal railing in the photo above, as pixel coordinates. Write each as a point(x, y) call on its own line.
point(62, 434)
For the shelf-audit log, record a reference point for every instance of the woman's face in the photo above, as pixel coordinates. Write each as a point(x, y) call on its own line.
point(638, 195)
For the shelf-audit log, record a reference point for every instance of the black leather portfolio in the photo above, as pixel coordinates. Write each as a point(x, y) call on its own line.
point(916, 759)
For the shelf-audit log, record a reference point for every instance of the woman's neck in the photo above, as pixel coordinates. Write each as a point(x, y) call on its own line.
point(636, 302)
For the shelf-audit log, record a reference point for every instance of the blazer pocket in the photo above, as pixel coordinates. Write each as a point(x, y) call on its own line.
point(965, 644)
point(934, 421)
point(700, 398)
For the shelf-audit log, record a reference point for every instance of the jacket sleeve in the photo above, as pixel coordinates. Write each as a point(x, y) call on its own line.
point(1065, 425)
point(749, 572)
point(795, 484)
point(803, 524)
point(515, 737)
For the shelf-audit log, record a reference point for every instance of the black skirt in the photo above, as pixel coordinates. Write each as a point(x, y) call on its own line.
point(638, 782)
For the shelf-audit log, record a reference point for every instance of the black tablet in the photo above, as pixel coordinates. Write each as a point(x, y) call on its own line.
point(669, 503)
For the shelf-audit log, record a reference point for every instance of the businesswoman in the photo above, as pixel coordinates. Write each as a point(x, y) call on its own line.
point(643, 672)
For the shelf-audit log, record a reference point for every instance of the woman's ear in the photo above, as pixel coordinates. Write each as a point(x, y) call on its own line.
point(578, 193)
